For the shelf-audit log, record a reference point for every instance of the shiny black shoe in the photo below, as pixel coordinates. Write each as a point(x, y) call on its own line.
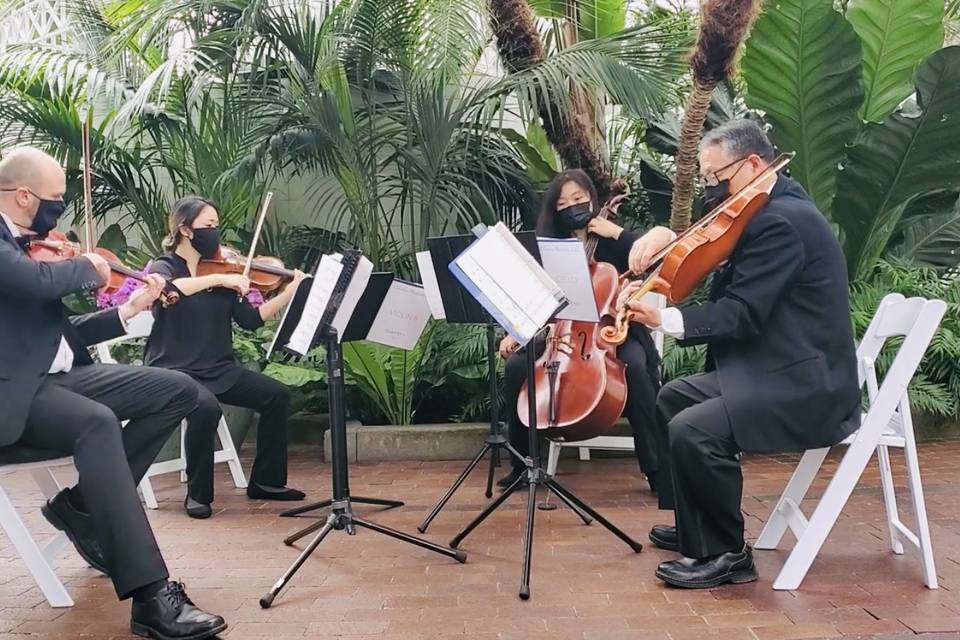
point(734, 566)
point(196, 509)
point(510, 478)
point(664, 536)
point(79, 529)
point(170, 615)
point(284, 494)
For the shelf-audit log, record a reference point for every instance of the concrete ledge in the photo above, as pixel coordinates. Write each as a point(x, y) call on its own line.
point(368, 443)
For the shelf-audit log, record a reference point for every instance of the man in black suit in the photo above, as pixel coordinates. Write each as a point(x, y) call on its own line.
point(781, 374)
point(57, 400)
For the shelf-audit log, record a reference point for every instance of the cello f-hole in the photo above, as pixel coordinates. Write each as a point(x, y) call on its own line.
point(584, 354)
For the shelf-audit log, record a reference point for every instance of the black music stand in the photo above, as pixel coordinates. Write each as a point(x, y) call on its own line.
point(462, 308)
point(534, 476)
point(341, 516)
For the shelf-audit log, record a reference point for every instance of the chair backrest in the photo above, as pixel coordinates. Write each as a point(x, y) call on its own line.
point(916, 320)
point(139, 326)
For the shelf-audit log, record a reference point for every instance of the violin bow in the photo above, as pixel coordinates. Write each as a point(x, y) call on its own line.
point(88, 231)
point(256, 233)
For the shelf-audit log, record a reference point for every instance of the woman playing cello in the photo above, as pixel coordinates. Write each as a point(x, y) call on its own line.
point(569, 209)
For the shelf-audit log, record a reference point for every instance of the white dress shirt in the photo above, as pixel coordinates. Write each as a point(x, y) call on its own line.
point(63, 361)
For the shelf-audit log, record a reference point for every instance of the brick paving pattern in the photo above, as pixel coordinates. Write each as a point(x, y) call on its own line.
point(586, 584)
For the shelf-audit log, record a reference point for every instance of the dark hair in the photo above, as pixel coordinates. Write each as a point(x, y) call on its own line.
point(547, 220)
point(183, 214)
point(740, 138)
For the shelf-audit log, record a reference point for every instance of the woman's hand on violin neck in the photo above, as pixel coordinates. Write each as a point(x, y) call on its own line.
point(604, 228)
point(647, 246)
point(100, 264)
point(628, 290)
point(507, 346)
point(143, 297)
point(238, 282)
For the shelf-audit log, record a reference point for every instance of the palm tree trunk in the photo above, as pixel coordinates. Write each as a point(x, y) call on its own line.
point(695, 113)
point(520, 47)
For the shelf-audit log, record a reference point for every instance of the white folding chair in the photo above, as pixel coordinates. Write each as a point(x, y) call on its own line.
point(886, 423)
point(605, 443)
point(140, 326)
point(39, 560)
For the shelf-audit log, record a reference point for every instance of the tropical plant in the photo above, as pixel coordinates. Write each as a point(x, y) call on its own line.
point(815, 72)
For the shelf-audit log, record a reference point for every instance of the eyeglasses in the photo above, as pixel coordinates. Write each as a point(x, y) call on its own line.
point(712, 179)
point(30, 191)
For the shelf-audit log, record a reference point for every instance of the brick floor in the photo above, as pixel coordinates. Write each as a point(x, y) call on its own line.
point(586, 584)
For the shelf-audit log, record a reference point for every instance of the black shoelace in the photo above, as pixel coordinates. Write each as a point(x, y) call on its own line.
point(177, 595)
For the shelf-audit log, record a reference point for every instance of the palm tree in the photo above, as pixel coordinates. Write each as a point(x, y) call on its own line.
point(724, 25)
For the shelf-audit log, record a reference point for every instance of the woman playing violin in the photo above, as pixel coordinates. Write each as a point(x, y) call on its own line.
point(196, 337)
point(569, 209)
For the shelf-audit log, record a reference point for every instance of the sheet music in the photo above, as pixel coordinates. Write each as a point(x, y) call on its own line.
point(565, 259)
point(306, 282)
point(328, 272)
point(522, 295)
point(361, 276)
point(430, 285)
point(402, 316)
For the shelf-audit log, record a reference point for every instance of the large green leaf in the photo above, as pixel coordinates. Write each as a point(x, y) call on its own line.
point(914, 151)
point(802, 67)
point(600, 18)
point(933, 238)
point(896, 35)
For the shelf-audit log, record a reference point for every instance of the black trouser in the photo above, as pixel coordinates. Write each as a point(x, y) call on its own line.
point(698, 450)
point(643, 381)
point(252, 390)
point(79, 413)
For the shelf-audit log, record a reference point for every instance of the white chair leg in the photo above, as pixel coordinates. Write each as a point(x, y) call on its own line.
point(46, 481)
point(827, 511)
point(779, 520)
point(889, 498)
point(149, 497)
point(233, 458)
point(584, 453)
point(919, 504)
point(27, 548)
point(183, 450)
point(553, 456)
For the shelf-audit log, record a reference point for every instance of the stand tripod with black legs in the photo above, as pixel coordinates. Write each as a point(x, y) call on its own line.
point(533, 477)
point(493, 444)
point(341, 516)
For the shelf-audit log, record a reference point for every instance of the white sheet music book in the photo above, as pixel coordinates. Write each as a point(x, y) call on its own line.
point(361, 276)
point(565, 259)
point(430, 286)
point(324, 281)
point(507, 281)
point(402, 317)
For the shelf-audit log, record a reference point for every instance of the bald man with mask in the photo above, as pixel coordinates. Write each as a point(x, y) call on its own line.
point(57, 400)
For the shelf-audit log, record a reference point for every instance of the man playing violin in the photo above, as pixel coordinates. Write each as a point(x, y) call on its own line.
point(58, 402)
point(781, 364)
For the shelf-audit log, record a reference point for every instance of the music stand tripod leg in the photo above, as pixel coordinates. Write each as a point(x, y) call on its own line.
point(563, 492)
point(326, 528)
point(422, 528)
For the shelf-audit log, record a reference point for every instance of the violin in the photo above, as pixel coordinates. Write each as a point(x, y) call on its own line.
point(581, 387)
point(266, 273)
point(55, 247)
point(678, 269)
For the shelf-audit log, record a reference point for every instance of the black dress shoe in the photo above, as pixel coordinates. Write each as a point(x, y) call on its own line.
point(284, 494)
point(196, 509)
point(170, 615)
point(664, 536)
point(511, 477)
point(79, 529)
point(733, 566)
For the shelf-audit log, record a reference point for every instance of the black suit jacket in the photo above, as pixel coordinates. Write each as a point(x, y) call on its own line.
point(779, 331)
point(32, 321)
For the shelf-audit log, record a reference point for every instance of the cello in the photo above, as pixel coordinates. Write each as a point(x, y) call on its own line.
point(581, 387)
point(682, 265)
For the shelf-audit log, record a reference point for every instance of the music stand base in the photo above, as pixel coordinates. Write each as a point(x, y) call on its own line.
point(342, 518)
point(323, 504)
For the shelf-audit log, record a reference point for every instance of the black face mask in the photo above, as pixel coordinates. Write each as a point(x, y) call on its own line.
point(48, 213)
point(206, 241)
point(714, 195)
point(574, 217)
